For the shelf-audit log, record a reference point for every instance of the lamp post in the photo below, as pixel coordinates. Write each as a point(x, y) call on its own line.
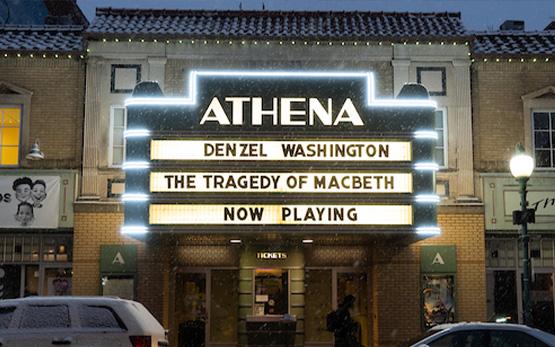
point(522, 166)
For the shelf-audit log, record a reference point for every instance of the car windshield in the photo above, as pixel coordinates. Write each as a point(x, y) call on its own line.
point(421, 337)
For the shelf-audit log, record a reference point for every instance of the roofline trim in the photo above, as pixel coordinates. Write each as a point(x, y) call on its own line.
point(111, 10)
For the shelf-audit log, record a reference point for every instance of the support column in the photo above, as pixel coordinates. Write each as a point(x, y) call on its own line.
point(157, 70)
point(400, 74)
point(90, 189)
point(461, 116)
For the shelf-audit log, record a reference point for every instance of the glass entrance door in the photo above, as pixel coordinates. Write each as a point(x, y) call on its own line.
point(190, 309)
point(355, 284)
point(205, 307)
point(541, 296)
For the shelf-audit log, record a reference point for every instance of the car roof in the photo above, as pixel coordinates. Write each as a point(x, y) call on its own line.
point(481, 325)
point(497, 326)
point(63, 299)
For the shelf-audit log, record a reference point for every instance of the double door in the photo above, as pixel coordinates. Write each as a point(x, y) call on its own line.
point(22, 280)
point(205, 308)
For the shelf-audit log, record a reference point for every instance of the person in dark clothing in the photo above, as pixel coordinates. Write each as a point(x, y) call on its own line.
point(344, 328)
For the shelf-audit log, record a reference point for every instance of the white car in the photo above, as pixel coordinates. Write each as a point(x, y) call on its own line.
point(78, 321)
point(484, 335)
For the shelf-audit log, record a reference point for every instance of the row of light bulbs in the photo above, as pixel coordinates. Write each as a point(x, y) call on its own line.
point(243, 42)
point(230, 42)
point(32, 55)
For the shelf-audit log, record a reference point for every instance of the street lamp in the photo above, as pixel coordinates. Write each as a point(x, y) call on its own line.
point(522, 166)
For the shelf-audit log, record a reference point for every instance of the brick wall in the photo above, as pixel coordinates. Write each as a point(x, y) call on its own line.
point(396, 279)
point(56, 106)
point(93, 229)
point(395, 296)
point(498, 122)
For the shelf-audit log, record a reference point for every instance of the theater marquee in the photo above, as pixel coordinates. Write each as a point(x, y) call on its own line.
point(277, 182)
point(279, 152)
point(281, 214)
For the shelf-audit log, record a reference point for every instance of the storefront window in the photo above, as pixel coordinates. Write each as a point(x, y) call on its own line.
point(541, 295)
point(271, 292)
point(31, 280)
point(502, 300)
point(10, 281)
point(121, 286)
point(438, 299)
point(57, 281)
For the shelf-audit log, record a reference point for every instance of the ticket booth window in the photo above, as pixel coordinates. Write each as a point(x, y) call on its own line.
point(271, 292)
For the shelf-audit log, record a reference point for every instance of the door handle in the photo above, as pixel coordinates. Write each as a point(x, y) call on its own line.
point(66, 341)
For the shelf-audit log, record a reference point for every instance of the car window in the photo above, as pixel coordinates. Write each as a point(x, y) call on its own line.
point(476, 338)
point(6, 314)
point(422, 336)
point(45, 316)
point(506, 338)
point(92, 316)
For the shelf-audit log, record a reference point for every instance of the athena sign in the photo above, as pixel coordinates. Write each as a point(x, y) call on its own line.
point(279, 152)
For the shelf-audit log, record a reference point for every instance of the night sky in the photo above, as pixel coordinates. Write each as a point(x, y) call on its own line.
point(476, 14)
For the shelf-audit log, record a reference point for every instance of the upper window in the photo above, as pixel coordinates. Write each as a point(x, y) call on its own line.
point(544, 138)
point(124, 77)
point(10, 128)
point(441, 144)
point(434, 79)
point(118, 122)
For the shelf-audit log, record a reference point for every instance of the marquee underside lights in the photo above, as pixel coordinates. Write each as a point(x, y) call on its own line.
point(130, 133)
point(426, 166)
point(135, 165)
point(427, 198)
point(176, 214)
point(134, 229)
point(428, 230)
point(281, 150)
point(368, 77)
point(426, 134)
point(139, 197)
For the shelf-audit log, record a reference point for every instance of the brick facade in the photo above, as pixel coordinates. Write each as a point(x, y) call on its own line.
point(56, 117)
point(396, 284)
point(93, 229)
point(395, 271)
point(498, 120)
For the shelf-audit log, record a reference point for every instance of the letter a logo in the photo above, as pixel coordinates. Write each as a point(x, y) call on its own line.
point(438, 259)
point(118, 259)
